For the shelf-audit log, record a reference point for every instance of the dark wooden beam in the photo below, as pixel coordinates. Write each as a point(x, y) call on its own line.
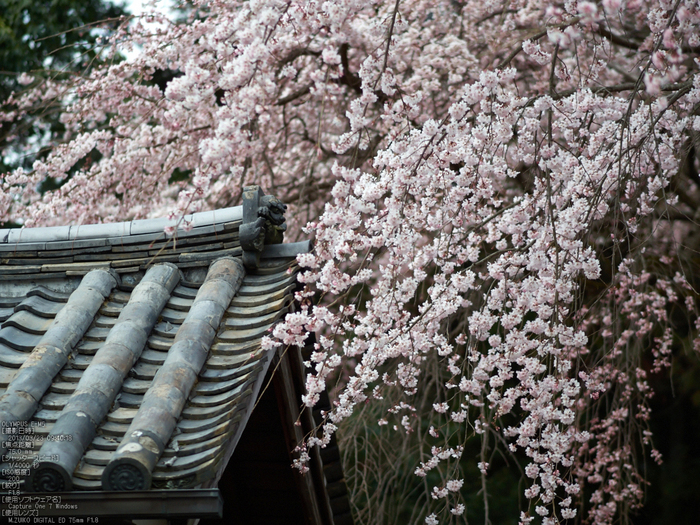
point(288, 400)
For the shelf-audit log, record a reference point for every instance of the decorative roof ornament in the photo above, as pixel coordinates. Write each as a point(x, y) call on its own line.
point(263, 224)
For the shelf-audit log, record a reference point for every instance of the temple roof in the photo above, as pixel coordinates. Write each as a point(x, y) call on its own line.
point(132, 360)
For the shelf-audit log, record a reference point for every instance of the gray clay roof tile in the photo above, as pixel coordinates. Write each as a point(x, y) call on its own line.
point(98, 323)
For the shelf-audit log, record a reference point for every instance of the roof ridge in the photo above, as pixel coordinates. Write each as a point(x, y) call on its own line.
point(116, 229)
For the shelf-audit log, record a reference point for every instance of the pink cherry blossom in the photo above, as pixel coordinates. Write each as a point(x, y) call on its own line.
point(501, 201)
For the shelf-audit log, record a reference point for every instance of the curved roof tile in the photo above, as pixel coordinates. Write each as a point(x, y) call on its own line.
point(97, 324)
point(128, 292)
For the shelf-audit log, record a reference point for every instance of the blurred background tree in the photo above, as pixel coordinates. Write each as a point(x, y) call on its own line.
point(46, 39)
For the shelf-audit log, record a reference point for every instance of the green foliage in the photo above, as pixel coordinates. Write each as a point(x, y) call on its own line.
point(672, 494)
point(49, 35)
point(380, 461)
point(45, 38)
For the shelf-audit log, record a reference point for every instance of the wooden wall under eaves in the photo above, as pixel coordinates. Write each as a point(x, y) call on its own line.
point(259, 485)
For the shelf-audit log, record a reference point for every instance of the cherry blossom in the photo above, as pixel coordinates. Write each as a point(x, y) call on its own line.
point(502, 198)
